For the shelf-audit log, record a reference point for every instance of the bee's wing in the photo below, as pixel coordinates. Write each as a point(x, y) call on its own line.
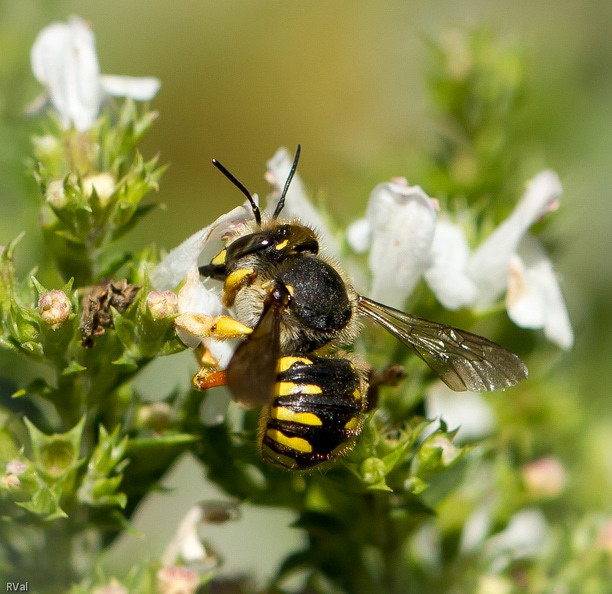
point(462, 360)
point(251, 373)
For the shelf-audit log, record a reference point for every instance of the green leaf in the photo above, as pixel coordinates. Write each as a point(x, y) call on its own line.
point(45, 502)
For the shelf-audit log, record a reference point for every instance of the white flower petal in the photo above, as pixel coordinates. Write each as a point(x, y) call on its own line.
point(488, 266)
point(523, 537)
point(64, 59)
point(297, 203)
point(186, 544)
point(476, 528)
point(403, 221)
point(359, 236)
point(534, 299)
point(468, 410)
point(195, 298)
point(447, 276)
point(138, 88)
point(173, 268)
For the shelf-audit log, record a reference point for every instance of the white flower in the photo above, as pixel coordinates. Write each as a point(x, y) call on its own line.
point(523, 537)
point(510, 260)
point(468, 410)
point(399, 228)
point(406, 241)
point(195, 297)
point(64, 60)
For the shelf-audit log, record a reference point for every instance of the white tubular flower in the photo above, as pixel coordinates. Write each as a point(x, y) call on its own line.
point(524, 537)
point(297, 203)
point(399, 226)
point(488, 265)
point(534, 299)
point(64, 60)
point(509, 260)
point(447, 276)
point(195, 298)
point(469, 411)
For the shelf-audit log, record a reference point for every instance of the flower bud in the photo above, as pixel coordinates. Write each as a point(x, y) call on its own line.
point(55, 308)
point(156, 416)
point(102, 183)
point(16, 467)
point(162, 304)
point(177, 580)
point(56, 195)
point(545, 477)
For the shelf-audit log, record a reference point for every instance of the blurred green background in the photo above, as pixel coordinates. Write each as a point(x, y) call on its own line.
point(346, 80)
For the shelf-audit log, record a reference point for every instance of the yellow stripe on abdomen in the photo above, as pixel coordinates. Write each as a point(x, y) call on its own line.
point(282, 413)
point(295, 443)
point(288, 388)
point(285, 363)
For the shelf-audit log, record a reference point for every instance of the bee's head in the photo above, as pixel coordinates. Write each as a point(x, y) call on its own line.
point(244, 190)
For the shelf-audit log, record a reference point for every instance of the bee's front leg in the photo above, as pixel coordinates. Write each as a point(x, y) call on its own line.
point(218, 327)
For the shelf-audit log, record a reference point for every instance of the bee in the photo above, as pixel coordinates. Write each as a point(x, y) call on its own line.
point(296, 308)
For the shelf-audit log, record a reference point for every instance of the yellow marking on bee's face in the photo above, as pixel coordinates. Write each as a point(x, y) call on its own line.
point(357, 393)
point(282, 245)
point(295, 443)
point(285, 363)
point(283, 413)
point(352, 424)
point(290, 289)
point(236, 278)
point(219, 258)
point(287, 388)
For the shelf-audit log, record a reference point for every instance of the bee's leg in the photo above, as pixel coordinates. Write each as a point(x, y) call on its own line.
point(205, 379)
point(236, 280)
point(390, 376)
point(219, 327)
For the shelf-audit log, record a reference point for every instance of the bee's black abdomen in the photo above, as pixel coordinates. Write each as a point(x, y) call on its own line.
point(320, 298)
point(316, 412)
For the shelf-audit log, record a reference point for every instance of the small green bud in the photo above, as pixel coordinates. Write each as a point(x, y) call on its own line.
point(162, 304)
point(55, 308)
point(177, 580)
point(372, 470)
point(156, 416)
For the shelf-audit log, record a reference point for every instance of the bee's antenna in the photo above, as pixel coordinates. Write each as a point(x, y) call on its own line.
point(281, 202)
point(241, 187)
